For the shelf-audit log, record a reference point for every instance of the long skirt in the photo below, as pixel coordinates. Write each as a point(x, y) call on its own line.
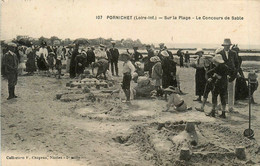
point(30, 65)
point(168, 80)
point(42, 65)
point(200, 81)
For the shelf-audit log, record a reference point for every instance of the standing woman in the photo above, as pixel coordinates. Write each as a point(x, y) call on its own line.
point(21, 66)
point(73, 62)
point(200, 79)
point(157, 74)
point(42, 60)
point(30, 63)
point(69, 53)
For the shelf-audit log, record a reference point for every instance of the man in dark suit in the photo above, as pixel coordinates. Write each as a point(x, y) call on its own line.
point(137, 55)
point(231, 60)
point(11, 69)
point(91, 56)
point(114, 58)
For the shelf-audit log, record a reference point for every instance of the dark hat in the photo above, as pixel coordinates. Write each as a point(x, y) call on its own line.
point(135, 47)
point(227, 42)
point(148, 45)
point(43, 43)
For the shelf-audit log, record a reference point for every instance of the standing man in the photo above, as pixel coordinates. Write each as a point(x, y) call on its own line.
point(150, 64)
point(114, 58)
point(231, 60)
point(187, 58)
point(137, 55)
point(91, 57)
point(108, 56)
point(11, 69)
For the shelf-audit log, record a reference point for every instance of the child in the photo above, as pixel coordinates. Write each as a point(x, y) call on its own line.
point(252, 80)
point(157, 74)
point(128, 70)
point(175, 99)
point(220, 73)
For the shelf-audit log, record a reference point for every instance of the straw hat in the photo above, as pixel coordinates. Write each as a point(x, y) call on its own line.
point(102, 46)
point(165, 53)
point(218, 50)
point(207, 56)
point(113, 42)
point(161, 44)
point(172, 89)
point(227, 42)
point(125, 55)
point(218, 58)
point(11, 44)
point(199, 50)
point(252, 75)
point(155, 59)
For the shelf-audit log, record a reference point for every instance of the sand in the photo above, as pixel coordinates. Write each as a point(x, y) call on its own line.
point(105, 131)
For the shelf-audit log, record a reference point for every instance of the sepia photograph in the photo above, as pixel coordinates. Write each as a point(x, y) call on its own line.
point(130, 82)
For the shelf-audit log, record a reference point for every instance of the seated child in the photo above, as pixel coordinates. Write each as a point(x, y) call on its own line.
point(175, 99)
point(252, 78)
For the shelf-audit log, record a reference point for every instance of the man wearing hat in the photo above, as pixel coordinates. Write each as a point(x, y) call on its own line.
point(231, 60)
point(219, 73)
point(148, 65)
point(137, 55)
point(11, 69)
point(91, 56)
point(114, 58)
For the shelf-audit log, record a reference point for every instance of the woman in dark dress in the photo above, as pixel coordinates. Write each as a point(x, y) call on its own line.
point(42, 60)
point(30, 63)
point(200, 76)
point(73, 62)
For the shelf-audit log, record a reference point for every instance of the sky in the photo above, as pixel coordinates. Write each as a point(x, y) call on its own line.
point(77, 18)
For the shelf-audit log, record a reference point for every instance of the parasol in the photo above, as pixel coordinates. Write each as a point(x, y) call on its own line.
point(24, 42)
point(81, 41)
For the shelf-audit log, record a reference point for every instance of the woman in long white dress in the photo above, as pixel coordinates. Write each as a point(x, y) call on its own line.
point(22, 66)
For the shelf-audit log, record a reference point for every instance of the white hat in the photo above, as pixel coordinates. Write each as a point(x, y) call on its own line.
point(138, 63)
point(208, 56)
point(218, 50)
point(164, 53)
point(218, 58)
point(199, 50)
point(155, 59)
point(227, 42)
point(161, 44)
point(172, 89)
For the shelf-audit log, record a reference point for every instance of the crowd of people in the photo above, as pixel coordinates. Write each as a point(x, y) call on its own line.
point(214, 73)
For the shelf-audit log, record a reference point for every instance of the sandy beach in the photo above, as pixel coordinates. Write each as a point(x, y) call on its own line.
point(43, 130)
